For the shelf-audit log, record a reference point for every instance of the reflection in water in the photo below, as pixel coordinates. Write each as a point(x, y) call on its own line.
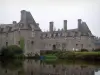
point(62, 69)
point(32, 67)
point(11, 67)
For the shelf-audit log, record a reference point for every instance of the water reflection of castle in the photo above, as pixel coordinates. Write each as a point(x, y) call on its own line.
point(35, 68)
point(31, 67)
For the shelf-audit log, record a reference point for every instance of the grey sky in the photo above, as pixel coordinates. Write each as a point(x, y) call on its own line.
point(45, 11)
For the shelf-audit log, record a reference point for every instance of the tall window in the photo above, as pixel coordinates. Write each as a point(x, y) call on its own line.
point(81, 45)
point(46, 35)
point(63, 45)
point(6, 43)
point(33, 34)
point(52, 35)
point(56, 34)
point(76, 45)
point(6, 34)
point(32, 42)
point(19, 29)
point(89, 45)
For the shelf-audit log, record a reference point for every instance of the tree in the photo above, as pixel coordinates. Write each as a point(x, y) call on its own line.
point(22, 43)
point(11, 51)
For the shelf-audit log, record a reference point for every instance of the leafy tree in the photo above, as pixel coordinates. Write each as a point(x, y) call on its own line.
point(22, 43)
point(11, 51)
point(84, 50)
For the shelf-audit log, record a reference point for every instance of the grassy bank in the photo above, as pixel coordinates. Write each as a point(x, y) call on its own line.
point(75, 55)
point(80, 55)
point(12, 51)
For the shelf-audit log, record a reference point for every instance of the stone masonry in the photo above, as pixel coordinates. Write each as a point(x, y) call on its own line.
point(35, 39)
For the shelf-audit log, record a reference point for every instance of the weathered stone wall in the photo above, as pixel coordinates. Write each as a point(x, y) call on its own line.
point(36, 40)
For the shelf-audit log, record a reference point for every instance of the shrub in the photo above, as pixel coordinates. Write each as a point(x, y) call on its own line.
point(36, 56)
point(97, 50)
point(15, 49)
point(84, 50)
point(11, 51)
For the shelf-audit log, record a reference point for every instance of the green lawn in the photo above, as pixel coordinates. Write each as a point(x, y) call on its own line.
point(74, 55)
point(50, 56)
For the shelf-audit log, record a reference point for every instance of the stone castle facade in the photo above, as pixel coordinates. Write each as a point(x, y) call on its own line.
point(35, 39)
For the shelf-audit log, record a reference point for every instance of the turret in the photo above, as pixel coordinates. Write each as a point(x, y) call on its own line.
point(51, 26)
point(65, 25)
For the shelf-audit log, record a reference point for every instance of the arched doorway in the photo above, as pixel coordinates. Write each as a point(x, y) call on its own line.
point(54, 47)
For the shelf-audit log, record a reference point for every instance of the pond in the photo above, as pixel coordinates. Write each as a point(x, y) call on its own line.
point(48, 67)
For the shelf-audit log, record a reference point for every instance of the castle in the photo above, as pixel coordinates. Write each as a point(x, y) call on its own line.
point(35, 40)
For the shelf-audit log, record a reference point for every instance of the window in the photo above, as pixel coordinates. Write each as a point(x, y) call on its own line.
point(33, 34)
point(82, 45)
point(21, 25)
point(6, 34)
point(56, 34)
point(89, 45)
point(41, 36)
point(76, 45)
point(49, 44)
point(19, 29)
point(60, 34)
point(46, 35)
point(63, 45)
point(32, 42)
point(76, 34)
point(6, 43)
point(51, 35)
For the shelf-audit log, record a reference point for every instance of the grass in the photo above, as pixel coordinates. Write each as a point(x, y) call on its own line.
point(72, 62)
point(50, 57)
point(74, 55)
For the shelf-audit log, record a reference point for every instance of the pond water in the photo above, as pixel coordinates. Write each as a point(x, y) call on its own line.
point(37, 67)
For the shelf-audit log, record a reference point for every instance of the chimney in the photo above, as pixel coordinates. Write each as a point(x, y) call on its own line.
point(14, 22)
point(79, 24)
point(51, 26)
point(23, 15)
point(65, 25)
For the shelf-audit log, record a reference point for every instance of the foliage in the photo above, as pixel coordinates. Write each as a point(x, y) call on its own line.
point(84, 50)
point(22, 43)
point(77, 55)
point(50, 56)
point(97, 50)
point(36, 56)
point(11, 51)
point(11, 64)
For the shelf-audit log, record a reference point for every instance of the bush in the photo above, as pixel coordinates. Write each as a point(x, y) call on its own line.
point(11, 51)
point(97, 50)
point(84, 50)
point(15, 49)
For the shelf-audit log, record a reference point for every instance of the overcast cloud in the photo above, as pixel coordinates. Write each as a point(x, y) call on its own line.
point(44, 11)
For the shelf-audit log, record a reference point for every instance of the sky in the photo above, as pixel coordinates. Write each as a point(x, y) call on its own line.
point(44, 11)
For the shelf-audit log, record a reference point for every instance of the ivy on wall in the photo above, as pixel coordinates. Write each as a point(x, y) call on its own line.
point(22, 43)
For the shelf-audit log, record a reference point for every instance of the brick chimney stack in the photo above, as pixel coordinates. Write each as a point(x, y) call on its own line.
point(65, 25)
point(51, 26)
